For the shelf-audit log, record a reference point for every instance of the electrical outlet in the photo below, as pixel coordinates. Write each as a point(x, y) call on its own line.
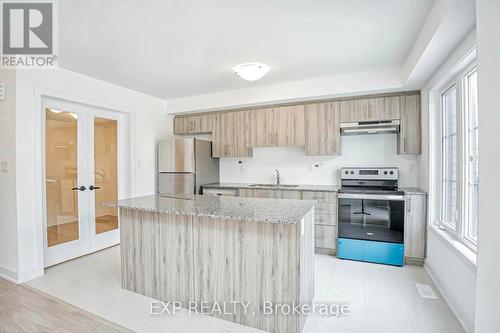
point(242, 165)
point(413, 168)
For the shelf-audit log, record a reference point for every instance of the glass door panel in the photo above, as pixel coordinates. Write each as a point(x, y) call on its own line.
point(61, 168)
point(105, 173)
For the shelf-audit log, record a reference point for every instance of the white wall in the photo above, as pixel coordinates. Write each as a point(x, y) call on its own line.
point(8, 230)
point(488, 277)
point(313, 89)
point(148, 123)
point(294, 165)
point(454, 274)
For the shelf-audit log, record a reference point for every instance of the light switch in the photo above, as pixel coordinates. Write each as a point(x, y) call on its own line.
point(2, 92)
point(4, 167)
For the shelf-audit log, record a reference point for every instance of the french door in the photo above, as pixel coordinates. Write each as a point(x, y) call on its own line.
point(83, 170)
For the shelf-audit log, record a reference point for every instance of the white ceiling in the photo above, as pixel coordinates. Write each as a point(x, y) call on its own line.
point(173, 49)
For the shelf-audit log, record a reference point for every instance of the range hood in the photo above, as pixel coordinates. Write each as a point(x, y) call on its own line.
point(370, 127)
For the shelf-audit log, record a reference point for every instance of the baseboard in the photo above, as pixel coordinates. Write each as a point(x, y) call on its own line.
point(321, 250)
point(8, 275)
point(445, 292)
point(29, 275)
point(414, 261)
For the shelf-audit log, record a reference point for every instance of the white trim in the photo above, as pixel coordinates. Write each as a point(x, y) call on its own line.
point(39, 93)
point(447, 296)
point(29, 275)
point(454, 77)
point(449, 239)
point(8, 275)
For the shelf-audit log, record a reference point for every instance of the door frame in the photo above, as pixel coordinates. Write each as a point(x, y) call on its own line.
point(39, 194)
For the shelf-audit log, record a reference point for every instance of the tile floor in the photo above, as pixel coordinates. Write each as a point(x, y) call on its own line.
point(381, 298)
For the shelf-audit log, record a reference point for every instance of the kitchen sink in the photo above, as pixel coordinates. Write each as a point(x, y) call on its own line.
point(274, 185)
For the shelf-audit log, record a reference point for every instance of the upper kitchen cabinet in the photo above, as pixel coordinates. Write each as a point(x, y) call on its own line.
point(315, 126)
point(195, 124)
point(410, 140)
point(322, 128)
point(230, 134)
point(277, 127)
point(370, 109)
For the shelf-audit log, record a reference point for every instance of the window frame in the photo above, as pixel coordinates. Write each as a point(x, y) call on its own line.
point(469, 241)
point(449, 86)
point(463, 222)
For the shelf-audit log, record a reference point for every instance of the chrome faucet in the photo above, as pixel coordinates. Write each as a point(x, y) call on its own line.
point(278, 183)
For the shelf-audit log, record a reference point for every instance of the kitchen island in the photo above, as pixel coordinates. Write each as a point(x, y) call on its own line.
point(247, 255)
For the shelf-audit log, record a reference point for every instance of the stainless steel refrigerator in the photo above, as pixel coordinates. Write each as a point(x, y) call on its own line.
point(184, 165)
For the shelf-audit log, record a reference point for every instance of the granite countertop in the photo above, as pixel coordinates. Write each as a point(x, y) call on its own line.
point(235, 208)
point(412, 190)
point(318, 188)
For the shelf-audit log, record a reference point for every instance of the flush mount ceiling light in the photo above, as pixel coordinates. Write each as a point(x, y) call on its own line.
point(251, 71)
point(55, 111)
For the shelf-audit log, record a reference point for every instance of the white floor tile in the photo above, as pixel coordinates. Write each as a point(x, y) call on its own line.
point(381, 298)
point(354, 321)
point(381, 322)
point(311, 326)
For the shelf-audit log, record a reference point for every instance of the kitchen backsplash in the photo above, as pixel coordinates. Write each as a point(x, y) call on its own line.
point(297, 168)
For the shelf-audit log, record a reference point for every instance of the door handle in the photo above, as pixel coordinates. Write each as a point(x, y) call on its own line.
point(92, 187)
point(81, 188)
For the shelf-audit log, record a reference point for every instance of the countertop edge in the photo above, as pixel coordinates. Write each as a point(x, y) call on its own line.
point(290, 220)
point(301, 187)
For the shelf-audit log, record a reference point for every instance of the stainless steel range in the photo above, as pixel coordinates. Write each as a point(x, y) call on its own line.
point(371, 211)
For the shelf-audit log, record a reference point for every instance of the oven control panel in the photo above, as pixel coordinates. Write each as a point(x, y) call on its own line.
point(369, 173)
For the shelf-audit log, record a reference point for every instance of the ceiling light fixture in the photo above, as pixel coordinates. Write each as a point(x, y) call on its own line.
point(251, 71)
point(55, 111)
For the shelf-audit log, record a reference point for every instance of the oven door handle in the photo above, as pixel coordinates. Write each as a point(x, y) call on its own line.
point(371, 196)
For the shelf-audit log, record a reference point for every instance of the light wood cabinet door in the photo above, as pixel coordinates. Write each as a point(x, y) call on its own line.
point(325, 237)
point(289, 194)
point(277, 127)
point(287, 126)
point(257, 193)
point(230, 135)
point(259, 120)
point(410, 134)
point(370, 109)
point(195, 124)
point(415, 225)
point(322, 123)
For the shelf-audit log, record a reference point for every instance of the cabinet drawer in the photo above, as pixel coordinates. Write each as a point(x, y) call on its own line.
point(325, 237)
point(289, 194)
point(319, 196)
point(325, 208)
point(230, 192)
point(328, 219)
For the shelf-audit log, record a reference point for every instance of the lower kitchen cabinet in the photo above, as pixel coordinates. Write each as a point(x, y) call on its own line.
point(227, 192)
point(325, 212)
point(289, 194)
point(325, 217)
point(325, 238)
point(415, 227)
point(257, 193)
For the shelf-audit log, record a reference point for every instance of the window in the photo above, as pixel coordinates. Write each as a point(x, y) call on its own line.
point(472, 132)
point(459, 156)
point(449, 150)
